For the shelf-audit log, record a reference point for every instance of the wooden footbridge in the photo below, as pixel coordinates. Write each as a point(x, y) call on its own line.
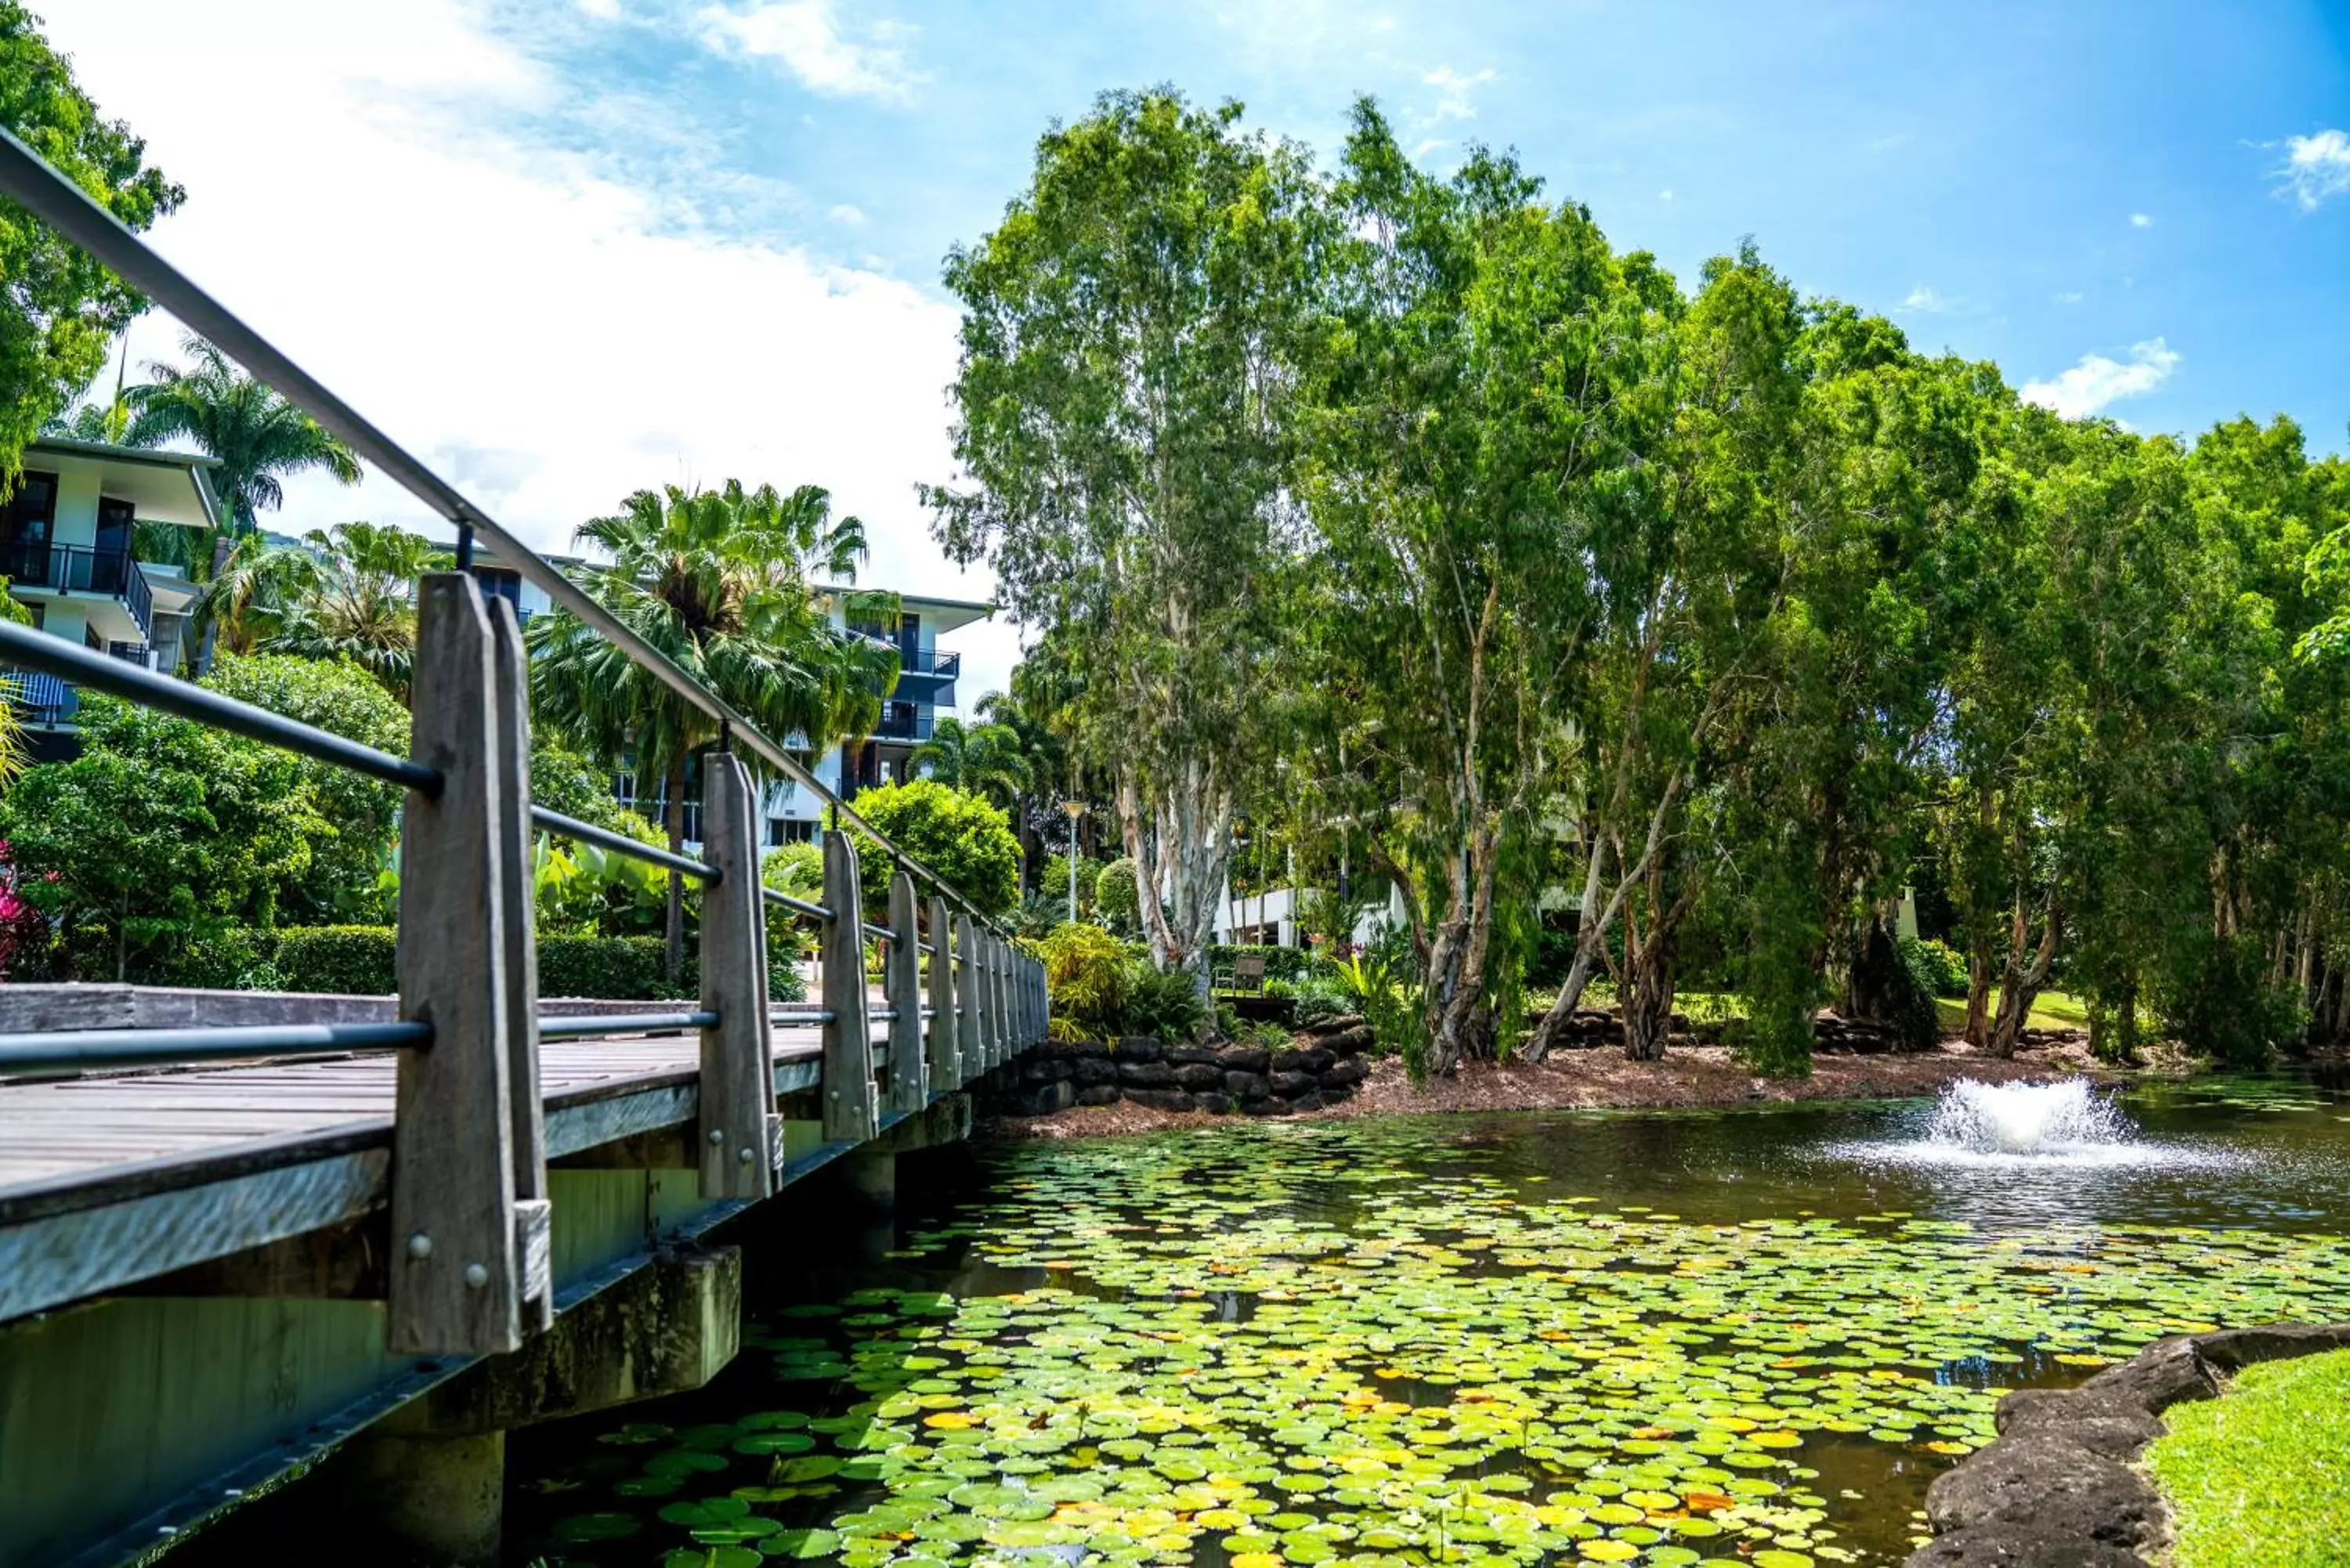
point(238, 1230)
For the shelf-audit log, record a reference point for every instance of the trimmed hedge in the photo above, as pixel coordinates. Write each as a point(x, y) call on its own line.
point(356, 961)
point(360, 961)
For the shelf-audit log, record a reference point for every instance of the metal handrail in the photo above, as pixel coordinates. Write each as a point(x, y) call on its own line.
point(797, 905)
point(620, 844)
point(88, 666)
point(70, 210)
point(585, 1025)
point(82, 1050)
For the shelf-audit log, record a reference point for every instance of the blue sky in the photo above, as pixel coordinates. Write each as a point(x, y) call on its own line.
point(2031, 183)
point(570, 247)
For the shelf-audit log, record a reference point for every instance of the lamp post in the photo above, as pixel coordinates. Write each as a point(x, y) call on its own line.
point(1076, 808)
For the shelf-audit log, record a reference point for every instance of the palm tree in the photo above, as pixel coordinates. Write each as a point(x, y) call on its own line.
point(345, 592)
point(257, 436)
point(357, 600)
point(718, 581)
point(985, 759)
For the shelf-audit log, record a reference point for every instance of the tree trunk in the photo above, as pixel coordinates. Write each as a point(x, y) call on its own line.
point(1977, 1030)
point(673, 927)
point(2020, 984)
point(222, 544)
point(1649, 997)
point(1875, 986)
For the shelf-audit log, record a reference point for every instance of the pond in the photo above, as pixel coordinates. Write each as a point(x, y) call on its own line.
point(1748, 1336)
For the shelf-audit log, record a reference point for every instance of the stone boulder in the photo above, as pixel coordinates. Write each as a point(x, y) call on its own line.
point(1146, 1074)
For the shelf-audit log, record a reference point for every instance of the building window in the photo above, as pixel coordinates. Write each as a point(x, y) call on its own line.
point(31, 508)
point(790, 830)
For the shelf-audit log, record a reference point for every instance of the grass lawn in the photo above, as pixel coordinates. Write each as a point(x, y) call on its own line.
point(2050, 1010)
point(2257, 1478)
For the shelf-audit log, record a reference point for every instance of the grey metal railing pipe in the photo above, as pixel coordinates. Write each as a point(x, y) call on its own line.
point(88, 1050)
point(587, 1026)
point(619, 844)
point(88, 666)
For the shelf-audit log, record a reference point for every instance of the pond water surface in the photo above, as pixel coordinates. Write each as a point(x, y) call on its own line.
point(1748, 1336)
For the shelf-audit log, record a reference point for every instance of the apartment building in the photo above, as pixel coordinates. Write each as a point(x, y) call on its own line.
point(71, 546)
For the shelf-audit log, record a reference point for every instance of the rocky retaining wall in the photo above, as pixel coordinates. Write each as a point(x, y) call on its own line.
point(1324, 1062)
point(2061, 1485)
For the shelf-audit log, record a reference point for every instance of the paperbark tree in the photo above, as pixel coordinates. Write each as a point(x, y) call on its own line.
point(1124, 397)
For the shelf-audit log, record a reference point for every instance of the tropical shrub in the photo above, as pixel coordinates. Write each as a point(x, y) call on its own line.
point(1940, 969)
point(1118, 901)
point(1164, 1005)
point(1087, 974)
point(610, 968)
point(794, 868)
point(2221, 1001)
point(957, 834)
point(359, 815)
point(1378, 988)
point(1314, 996)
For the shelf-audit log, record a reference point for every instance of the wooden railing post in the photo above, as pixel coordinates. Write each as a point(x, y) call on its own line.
point(999, 1015)
point(971, 1036)
point(534, 1211)
point(901, 988)
point(455, 1286)
point(939, 1047)
point(850, 1112)
point(1044, 1003)
point(739, 1134)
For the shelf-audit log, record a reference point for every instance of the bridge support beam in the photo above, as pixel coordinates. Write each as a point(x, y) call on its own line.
point(428, 1480)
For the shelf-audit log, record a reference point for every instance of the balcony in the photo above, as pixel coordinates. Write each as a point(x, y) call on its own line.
point(39, 697)
point(930, 662)
point(81, 569)
point(903, 721)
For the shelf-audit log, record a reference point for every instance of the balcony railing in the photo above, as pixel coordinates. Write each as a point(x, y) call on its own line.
point(81, 569)
point(40, 697)
point(930, 662)
point(903, 721)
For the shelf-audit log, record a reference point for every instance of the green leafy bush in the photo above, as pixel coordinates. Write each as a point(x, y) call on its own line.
point(1163, 1004)
point(1940, 969)
point(1315, 996)
point(610, 968)
point(356, 961)
point(1117, 898)
point(2222, 1002)
point(958, 835)
point(1088, 973)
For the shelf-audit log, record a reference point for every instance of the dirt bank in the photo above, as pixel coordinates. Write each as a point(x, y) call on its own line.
point(1695, 1075)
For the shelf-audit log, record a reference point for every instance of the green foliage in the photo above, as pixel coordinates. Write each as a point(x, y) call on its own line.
point(1318, 995)
point(957, 834)
point(343, 700)
point(256, 435)
point(1163, 1003)
point(2223, 1000)
point(1116, 898)
point(1124, 397)
point(1087, 976)
point(1935, 967)
point(357, 960)
point(1380, 989)
point(2254, 1477)
point(794, 868)
point(989, 760)
point(61, 309)
point(1280, 963)
point(608, 968)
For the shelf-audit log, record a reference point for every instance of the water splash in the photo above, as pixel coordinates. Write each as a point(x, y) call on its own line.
point(2065, 1118)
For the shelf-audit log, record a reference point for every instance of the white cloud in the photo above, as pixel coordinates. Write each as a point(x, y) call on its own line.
point(577, 344)
point(807, 38)
point(1666, 194)
point(2141, 221)
point(602, 10)
point(2071, 297)
point(2316, 168)
point(2097, 381)
point(1922, 300)
point(845, 213)
point(1453, 89)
